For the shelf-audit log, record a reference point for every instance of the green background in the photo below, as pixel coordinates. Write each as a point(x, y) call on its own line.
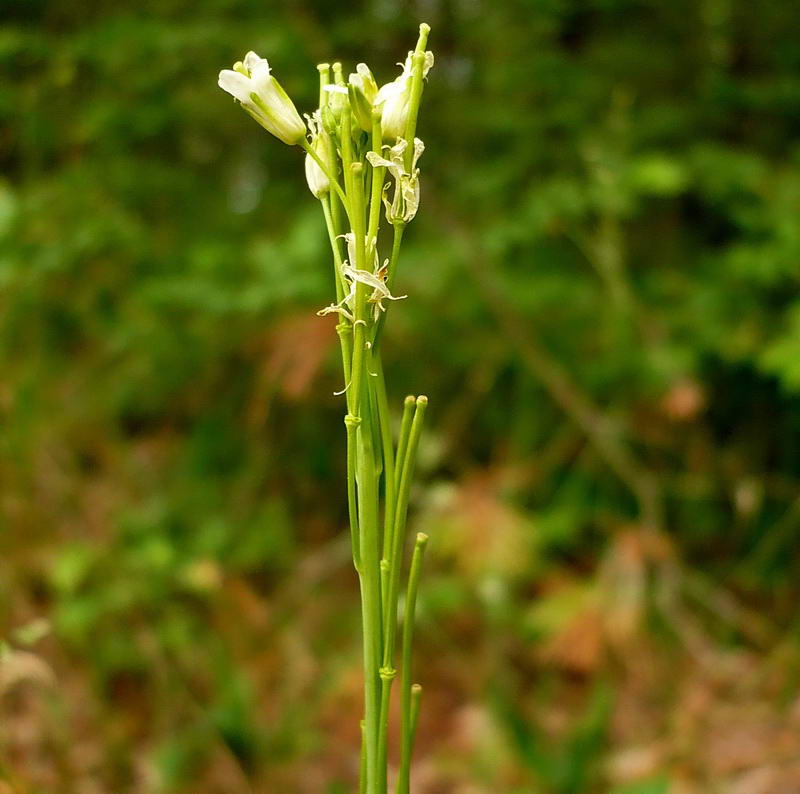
point(604, 309)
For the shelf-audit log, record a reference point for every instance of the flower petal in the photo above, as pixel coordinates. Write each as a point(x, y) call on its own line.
point(378, 162)
point(365, 277)
point(260, 75)
point(236, 84)
point(419, 148)
point(389, 90)
point(251, 61)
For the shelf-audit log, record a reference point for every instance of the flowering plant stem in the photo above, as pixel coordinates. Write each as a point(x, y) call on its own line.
point(379, 473)
point(347, 163)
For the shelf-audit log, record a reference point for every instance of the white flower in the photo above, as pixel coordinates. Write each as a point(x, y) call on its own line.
point(261, 95)
point(394, 98)
point(405, 202)
point(318, 182)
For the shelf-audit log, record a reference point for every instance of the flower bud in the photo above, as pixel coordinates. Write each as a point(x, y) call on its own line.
point(328, 121)
point(394, 99)
point(363, 90)
point(318, 182)
point(337, 100)
point(337, 93)
point(262, 96)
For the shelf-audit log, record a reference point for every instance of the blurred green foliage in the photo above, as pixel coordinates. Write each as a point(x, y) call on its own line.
point(604, 308)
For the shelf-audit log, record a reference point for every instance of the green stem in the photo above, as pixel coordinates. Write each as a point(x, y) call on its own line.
point(345, 331)
point(405, 428)
point(351, 423)
point(397, 239)
point(347, 152)
point(360, 308)
point(362, 787)
point(341, 287)
point(324, 70)
point(387, 673)
point(416, 695)
point(366, 477)
point(417, 65)
point(378, 438)
point(336, 203)
point(406, 718)
point(382, 403)
point(377, 177)
point(387, 676)
point(404, 772)
point(398, 532)
point(370, 592)
point(343, 328)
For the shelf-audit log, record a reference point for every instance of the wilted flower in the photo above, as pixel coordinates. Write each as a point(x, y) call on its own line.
point(318, 182)
point(405, 202)
point(376, 280)
point(370, 247)
point(394, 98)
point(261, 95)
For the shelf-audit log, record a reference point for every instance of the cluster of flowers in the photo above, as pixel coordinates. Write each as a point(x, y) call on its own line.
point(251, 82)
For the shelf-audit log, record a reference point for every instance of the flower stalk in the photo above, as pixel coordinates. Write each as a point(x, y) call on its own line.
point(361, 155)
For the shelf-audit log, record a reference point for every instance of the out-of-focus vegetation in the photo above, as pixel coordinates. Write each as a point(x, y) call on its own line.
point(603, 308)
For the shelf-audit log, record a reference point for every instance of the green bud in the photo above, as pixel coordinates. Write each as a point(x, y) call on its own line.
point(328, 121)
point(362, 90)
point(337, 100)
